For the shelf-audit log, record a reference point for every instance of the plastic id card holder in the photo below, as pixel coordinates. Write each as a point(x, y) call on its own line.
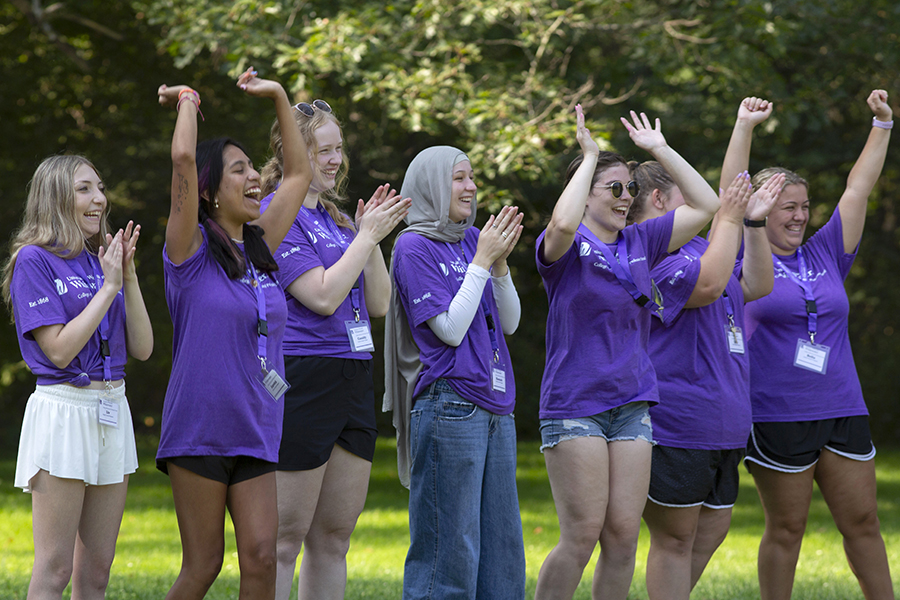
point(735, 338)
point(360, 336)
point(812, 357)
point(498, 378)
point(272, 381)
point(109, 410)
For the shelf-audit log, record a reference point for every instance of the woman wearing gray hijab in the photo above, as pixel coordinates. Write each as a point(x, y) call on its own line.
point(449, 381)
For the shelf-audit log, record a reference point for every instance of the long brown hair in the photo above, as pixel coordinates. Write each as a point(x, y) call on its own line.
point(273, 170)
point(50, 221)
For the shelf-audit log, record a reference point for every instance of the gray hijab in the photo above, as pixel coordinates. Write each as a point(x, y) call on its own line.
point(428, 182)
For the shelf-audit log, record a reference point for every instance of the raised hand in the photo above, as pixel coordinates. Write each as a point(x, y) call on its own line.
point(582, 135)
point(382, 213)
point(642, 134)
point(381, 193)
point(254, 86)
point(763, 199)
point(754, 110)
point(168, 95)
point(129, 242)
point(111, 261)
point(735, 199)
point(877, 101)
point(498, 237)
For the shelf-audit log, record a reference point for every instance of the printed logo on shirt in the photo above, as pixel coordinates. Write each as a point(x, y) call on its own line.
point(312, 237)
point(444, 269)
point(60, 287)
point(585, 249)
point(426, 296)
point(678, 274)
point(810, 276)
point(291, 251)
point(78, 283)
point(38, 302)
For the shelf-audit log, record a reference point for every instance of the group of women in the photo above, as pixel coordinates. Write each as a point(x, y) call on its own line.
point(656, 372)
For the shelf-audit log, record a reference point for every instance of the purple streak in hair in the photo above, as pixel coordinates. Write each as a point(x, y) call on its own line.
point(203, 179)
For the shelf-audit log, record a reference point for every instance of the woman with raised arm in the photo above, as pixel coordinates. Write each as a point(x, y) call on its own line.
point(810, 422)
point(595, 427)
point(334, 278)
point(223, 412)
point(74, 295)
point(450, 383)
point(702, 421)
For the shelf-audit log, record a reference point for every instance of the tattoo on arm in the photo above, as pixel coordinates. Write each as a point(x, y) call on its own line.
point(180, 193)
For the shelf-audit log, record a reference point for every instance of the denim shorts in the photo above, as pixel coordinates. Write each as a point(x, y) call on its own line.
point(627, 422)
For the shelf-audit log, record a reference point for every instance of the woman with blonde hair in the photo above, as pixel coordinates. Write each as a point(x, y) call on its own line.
point(335, 279)
point(75, 298)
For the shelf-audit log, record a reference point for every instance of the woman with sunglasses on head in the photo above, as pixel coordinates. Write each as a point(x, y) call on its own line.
point(79, 313)
point(223, 411)
point(595, 426)
point(810, 421)
point(334, 278)
point(449, 380)
point(698, 349)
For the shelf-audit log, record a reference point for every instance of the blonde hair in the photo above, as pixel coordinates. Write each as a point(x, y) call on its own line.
point(272, 171)
point(50, 221)
point(790, 178)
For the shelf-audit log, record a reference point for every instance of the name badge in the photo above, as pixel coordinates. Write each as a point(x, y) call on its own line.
point(109, 413)
point(360, 336)
point(272, 381)
point(735, 339)
point(812, 357)
point(498, 380)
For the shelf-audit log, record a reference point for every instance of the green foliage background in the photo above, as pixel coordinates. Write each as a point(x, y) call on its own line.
point(498, 78)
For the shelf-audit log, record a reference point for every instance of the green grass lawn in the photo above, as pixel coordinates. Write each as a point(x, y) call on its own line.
point(149, 551)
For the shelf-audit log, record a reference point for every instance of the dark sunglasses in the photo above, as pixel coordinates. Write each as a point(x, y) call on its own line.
point(616, 187)
point(310, 109)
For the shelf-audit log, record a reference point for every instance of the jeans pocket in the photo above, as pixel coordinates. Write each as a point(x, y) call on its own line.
point(456, 410)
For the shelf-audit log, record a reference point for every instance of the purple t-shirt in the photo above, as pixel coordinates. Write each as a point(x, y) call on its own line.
point(428, 274)
point(49, 290)
point(215, 405)
point(780, 391)
point(315, 240)
point(597, 335)
point(704, 388)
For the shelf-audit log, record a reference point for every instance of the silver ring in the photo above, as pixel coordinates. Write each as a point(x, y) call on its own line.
point(494, 226)
point(505, 235)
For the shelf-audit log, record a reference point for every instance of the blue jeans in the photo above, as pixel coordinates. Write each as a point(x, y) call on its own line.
point(464, 522)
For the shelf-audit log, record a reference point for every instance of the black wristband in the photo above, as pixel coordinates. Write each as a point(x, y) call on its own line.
point(749, 223)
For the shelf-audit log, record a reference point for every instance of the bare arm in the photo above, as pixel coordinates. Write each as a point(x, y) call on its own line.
point(569, 209)
point(865, 173)
point(183, 237)
point(751, 113)
point(62, 343)
point(717, 263)
point(701, 202)
point(138, 331)
point(757, 277)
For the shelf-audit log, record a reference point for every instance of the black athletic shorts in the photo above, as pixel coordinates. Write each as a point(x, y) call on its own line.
point(682, 477)
point(224, 469)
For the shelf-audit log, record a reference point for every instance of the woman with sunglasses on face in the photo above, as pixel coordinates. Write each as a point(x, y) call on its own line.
point(79, 313)
point(335, 279)
point(223, 411)
point(449, 380)
point(810, 421)
point(698, 349)
point(595, 426)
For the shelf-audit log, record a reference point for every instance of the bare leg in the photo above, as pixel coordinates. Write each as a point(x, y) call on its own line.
point(298, 494)
point(848, 487)
point(56, 511)
point(711, 532)
point(672, 534)
point(95, 546)
point(200, 509)
point(323, 572)
point(579, 478)
point(254, 512)
point(629, 482)
point(785, 499)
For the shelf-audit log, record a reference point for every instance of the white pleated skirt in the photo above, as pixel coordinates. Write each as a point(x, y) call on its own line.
point(62, 434)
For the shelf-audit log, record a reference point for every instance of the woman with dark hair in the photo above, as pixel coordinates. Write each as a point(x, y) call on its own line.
point(74, 295)
point(223, 412)
point(595, 426)
point(335, 279)
point(810, 422)
point(449, 381)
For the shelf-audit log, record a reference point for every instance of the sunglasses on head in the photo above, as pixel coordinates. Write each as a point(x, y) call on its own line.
point(617, 187)
point(310, 109)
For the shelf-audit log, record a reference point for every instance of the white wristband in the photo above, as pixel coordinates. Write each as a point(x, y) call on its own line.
point(882, 124)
